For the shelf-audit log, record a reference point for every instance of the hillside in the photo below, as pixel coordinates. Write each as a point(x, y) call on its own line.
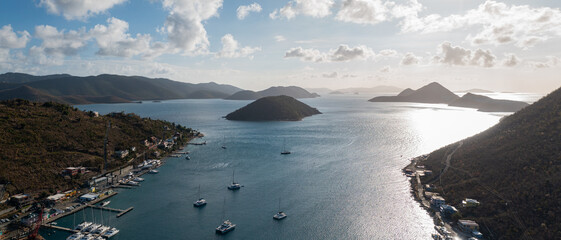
point(377, 89)
point(276, 108)
point(431, 93)
point(513, 170)
point(487, 104)
point(292, 91)
point(29, 93)
point(95, 89)
point(40, 139)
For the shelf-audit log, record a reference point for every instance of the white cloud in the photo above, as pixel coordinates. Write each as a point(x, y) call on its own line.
point(496, 23)
point(552, 61)
point(81, 10)
point(385, 69)
point(9, 39)
point(342, 54)
point(456, 55)
point(410, 59)
point(312, 8)
point(364, 11)
point(243, 11)
point(511, 60)
point(113, 40)
point(330, 75)
point(280, 38)
point(184, 25)
point(388, 53)
point(60, 43)
point(231, 48)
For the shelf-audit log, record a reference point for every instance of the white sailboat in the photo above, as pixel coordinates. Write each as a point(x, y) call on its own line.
point(201, 202)
point(234, 185)
point(280, 214)
point(226, 226)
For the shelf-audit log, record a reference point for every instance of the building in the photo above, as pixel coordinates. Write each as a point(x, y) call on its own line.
point(72, 171)
point(437, 201)
point(56, 198)
point(21, 199)
point(121, 153)
point(447, 210)
point(468, 202)
point(89, 197)
point(468, 226)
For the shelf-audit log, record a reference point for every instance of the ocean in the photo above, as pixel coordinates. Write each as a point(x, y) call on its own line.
point(343, 179)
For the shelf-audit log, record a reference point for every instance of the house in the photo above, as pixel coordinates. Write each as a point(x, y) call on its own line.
point(429, 187)
point(121, 153)
point(447, 210)
point(21, 199)
point(72, 171)
point(468, 202)
point(468, 226)
point(56, 198)
point(89, 197)
point(437, 201)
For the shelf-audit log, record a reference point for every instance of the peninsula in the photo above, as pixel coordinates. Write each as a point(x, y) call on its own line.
point(275, 108)
point(292, 91)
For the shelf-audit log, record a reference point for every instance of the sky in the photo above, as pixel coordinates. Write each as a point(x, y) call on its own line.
point(510, 45)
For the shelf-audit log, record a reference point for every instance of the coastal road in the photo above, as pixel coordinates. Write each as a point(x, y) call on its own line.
point(448, 158)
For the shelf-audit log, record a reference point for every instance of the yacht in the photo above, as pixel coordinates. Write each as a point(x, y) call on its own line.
point(187, 157)
point(280, 215)
point(110, 233)
point(225, 227)
point(92, 227)
point(153, 171)
point(234, 185)
point(82, 226)
point(138, 179)
point(201, 202)
point(103, 204)
point(75, 236)
point(101, 230)
point(133, 183)
point(87, 237)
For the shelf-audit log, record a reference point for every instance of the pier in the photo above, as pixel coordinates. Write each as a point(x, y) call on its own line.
point(125, 211)
point(59, 228)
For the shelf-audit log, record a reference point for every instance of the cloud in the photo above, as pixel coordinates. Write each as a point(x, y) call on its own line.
point(312, 8)
point(243, 11)
point(552, 61)
point(388, 53)
point(184, 26)
point(496, 23)
point(385, 69)
point(280, 38)
point(330, 75)
point(342, 54)
point(9, 39)
point(456, 55)
point(511, 60)
point(60, 43)
point(80, 10)
point(409, 59)
point(364, 11)
point(113, 40)
point(231, 49)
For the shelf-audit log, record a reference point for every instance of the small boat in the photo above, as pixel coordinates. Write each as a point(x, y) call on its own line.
point(110, 233)
point(103, 204)
point(284, 151)
point(153, 171)
point(75, 236)
point(187, 157)
point(138, 179)
point(101, 230)
point(83, 226)
point(133, 183)
point(92, 227)
point(234, 185)
point(201, 202)
point(87, 237)
point(223, 141)
point(225, 227)
point(280, 215)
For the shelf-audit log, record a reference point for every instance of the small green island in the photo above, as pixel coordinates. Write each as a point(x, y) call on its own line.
point(275, 108)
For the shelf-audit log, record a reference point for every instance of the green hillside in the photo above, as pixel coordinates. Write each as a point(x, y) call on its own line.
point(40, 139)
point(276, 108)
point(513, 170)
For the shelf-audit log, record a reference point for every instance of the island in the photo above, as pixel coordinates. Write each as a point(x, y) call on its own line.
point(291, 91)
point(275, 108)
point(505, 180)
point(436, 93)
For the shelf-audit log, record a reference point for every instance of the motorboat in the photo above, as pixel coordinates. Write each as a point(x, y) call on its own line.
point(225, 227)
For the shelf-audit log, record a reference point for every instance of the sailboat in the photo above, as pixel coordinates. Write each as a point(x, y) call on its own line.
point(280, 215)
point(223, 143)
point(201, 202)
point(226, 226)
point(234, 185)
point(284, 151)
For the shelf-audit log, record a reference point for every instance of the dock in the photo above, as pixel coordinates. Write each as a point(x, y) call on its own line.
point(125, 211)
point(59, 228)
point(119, 211)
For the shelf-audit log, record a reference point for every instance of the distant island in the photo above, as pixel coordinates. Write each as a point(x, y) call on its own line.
point(274, 108)
point(511, 171)
point(436, 93)
point(292, 91)
point(105, 88)
point(357, 90)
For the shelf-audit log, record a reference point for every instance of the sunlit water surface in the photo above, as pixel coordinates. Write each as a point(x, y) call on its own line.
point(342, 180)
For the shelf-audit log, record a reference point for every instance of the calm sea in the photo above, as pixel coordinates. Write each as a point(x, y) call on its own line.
point(342, 180)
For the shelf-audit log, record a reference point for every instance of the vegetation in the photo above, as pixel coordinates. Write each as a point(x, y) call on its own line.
point(277, 108)
point(513, 170)
point(39, 140)
point(104, 88)
point(487, 104)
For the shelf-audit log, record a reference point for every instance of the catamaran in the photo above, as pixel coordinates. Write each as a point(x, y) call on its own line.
point(234, 185)
point(226, 226)
point(280, 215)
point(201, 202)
